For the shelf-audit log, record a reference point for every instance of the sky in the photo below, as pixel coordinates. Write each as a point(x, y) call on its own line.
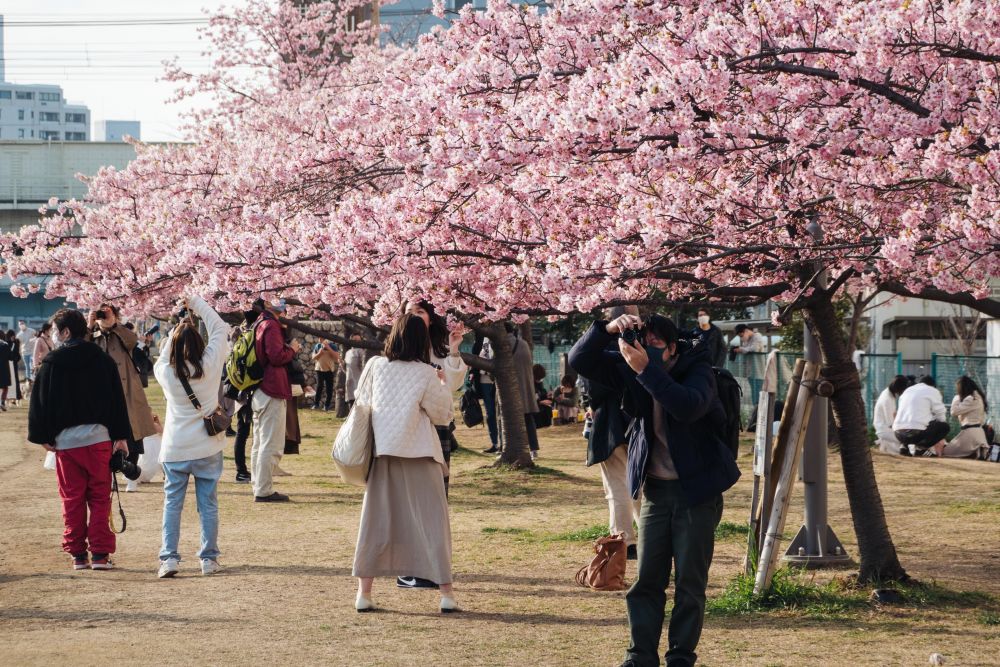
point(113, 69)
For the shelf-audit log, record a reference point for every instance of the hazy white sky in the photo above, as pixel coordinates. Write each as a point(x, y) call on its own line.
point(113, 69)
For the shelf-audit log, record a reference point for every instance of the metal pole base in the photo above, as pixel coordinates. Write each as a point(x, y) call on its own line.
point(831, 554)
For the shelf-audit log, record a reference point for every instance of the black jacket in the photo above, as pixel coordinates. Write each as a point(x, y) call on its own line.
point(77, 384)
point(713, 341)
point(608, 429)
point(694, 417)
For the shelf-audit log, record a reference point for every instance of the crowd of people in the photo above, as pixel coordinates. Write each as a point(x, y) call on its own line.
point(652, 409)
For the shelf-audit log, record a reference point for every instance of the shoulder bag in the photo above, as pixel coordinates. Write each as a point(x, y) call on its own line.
point(354, 447)
point(215, 423)
point(606, 571)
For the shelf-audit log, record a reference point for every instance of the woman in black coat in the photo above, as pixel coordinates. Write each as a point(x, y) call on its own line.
point(4, 372)
point(15, 359)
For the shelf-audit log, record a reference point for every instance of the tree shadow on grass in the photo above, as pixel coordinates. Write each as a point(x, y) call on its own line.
point(90, 618)
point(290, 570)
point(515, 618)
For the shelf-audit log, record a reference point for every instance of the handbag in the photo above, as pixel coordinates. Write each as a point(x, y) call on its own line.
point(216, 423)
point(606, 571)
point(354, 448)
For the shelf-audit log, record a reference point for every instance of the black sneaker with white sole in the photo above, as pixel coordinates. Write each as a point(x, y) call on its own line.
point(415, 582)
point(242, 478)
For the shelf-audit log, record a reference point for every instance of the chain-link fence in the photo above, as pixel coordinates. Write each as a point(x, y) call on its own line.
point(985, 371)
point(550, 360)
point(877, 371)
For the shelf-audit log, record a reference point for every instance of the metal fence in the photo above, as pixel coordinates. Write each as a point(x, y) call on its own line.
point(551, 361)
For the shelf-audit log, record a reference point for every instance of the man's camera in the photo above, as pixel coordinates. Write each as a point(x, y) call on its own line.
point(100, 315)
point(633, 336)
point(120, 464)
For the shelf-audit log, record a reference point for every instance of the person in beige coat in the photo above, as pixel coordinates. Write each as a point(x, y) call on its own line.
point(404, 516)
point(969, 407)
point(108, 333)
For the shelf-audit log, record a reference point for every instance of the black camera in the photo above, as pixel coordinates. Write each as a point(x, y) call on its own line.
point(100, 315)
point(633, 336)
point(181, 314)
point(121, 464)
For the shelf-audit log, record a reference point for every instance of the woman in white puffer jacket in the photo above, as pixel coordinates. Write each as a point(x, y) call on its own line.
point(404, 518)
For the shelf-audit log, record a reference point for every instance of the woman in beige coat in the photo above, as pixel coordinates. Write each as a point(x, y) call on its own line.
point(108, 333)
point(969, 407)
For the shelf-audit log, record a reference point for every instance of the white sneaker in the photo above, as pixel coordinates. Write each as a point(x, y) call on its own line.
point(168, 568)
point(534, 455)
point(209, 566)
point(448, 605)
point(363, 604)
point(133, 485)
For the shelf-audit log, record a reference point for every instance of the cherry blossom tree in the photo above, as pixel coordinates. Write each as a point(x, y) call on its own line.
point(604, 152)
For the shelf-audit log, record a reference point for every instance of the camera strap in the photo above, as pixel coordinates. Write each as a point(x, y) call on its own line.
point(121, 512)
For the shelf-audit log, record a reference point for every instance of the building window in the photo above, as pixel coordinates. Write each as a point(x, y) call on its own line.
point(76, 136)
point(48, 134)
point(49, 116)
point(20, 133)
point(20, 114)
point(49, 97)
point(76, 118)
point(24, 95)
point(4, 94)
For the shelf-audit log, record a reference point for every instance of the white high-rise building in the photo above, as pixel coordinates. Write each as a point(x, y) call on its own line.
point(116, 130)
point(29, 111)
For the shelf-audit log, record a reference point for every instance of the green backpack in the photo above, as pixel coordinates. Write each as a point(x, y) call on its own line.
point(243, 370)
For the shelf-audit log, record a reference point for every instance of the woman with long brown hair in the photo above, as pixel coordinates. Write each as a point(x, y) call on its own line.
point(188, 370)
point(404, 517)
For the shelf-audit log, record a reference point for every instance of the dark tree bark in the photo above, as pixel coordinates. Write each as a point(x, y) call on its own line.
point(877, 552)
point(510, 407)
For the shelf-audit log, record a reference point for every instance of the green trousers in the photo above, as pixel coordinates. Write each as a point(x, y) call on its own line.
point(672, 533)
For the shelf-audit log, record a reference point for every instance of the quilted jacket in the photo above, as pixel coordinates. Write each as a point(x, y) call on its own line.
point(407, 400)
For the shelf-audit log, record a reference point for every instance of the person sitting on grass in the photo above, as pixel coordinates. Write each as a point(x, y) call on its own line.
point(567, 400)
point(920, 422)
point(884, 415)
point(969, 406)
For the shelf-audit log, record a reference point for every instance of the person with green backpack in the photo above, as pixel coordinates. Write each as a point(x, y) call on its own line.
point(262, 368)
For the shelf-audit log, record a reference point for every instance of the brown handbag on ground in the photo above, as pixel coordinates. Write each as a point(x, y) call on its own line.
point(215, 423)
point(606, 572)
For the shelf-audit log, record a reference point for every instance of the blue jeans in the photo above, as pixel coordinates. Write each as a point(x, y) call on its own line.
point(27, 366)
point(206, 472)
point(489, 394)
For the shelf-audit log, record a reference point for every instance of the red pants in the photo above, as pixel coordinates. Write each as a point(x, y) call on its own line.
point(84, 476)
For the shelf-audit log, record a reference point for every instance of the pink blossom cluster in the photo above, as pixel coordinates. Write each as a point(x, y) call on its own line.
point(527, 162)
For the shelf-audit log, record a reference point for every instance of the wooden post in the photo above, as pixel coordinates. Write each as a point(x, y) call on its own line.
point(787, 464)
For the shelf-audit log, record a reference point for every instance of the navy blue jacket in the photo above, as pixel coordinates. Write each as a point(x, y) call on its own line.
point(694, 416)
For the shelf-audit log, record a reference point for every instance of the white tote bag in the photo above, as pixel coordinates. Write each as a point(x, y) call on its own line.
point(355, 444)
point(149, 460)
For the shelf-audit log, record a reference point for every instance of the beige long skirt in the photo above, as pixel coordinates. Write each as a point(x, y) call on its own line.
point(404, 529)
point(966, 443)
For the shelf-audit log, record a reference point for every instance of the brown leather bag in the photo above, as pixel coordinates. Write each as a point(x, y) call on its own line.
point(606, 572)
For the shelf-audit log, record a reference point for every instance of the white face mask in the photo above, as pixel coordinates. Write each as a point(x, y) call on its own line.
point(55, 337)
point(22, 327)
point(703, 319)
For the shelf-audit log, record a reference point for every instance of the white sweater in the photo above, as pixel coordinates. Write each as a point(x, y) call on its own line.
point(917, 407)
point(407, 400)
point(184, 434)
point(883, 417)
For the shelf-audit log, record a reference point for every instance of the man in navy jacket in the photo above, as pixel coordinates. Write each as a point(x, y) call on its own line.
point(680, 462)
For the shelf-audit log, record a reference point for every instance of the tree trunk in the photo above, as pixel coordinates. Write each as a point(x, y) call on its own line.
point(510, 407)
point(879, 561)
point(339, 389)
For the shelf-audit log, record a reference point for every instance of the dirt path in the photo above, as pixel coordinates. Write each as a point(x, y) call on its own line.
point(286, 594)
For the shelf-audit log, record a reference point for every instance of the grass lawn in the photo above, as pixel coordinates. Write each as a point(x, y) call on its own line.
point(286, 595)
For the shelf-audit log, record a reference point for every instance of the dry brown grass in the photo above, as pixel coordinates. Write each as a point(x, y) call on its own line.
point(286, 594)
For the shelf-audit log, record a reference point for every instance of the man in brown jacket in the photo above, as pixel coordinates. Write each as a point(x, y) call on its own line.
point(108, 333)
